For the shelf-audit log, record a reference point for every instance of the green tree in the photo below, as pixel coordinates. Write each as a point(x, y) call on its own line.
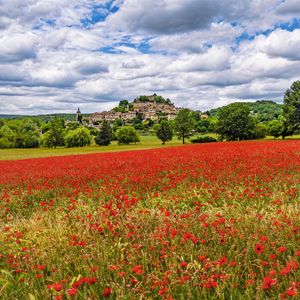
point(79, 137)
point(184, 124)
point(127, 135)
point(104, 136)
point(7, 137)
point(275, 128)
point(291, 109)
point(164, 131)
point(235, 122)
point(260, 131)
point(54, 136)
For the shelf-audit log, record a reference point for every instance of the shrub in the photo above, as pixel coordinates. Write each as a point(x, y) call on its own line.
point(127, 135)
point(78, 138)
point(203, 139)
point(5, 143)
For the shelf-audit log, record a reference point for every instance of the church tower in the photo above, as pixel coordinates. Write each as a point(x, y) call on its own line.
point(79, 116)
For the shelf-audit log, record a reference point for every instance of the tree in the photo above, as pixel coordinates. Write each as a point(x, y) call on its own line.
point(291, 109)
point(275, 128)
point(235, 122)
point(79, 137)
point(260, 131)
point(164, 131)
point(104, 136)
point(127, 135)
point(184, 124)
point(54, 137)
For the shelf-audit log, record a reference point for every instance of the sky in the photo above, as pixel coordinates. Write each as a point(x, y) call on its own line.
point(57, 55)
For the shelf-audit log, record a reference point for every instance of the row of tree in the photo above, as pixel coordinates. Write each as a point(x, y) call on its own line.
point(232, 122)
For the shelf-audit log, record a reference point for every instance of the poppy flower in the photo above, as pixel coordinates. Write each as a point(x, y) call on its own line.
point(259, 248)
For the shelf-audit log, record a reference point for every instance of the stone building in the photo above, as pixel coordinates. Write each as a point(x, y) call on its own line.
point(149, 109)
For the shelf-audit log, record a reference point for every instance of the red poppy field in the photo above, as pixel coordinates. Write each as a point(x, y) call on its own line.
point(210, 221)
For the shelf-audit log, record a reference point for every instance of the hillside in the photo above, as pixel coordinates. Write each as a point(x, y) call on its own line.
point(264, 110)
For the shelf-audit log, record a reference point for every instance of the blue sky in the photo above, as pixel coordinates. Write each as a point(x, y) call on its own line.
point(56, 55)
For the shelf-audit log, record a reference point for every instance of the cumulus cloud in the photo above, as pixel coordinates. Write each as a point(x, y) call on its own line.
point(56, 55)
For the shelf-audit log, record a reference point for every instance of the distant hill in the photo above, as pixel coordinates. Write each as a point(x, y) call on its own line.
point(48, 117)
point(264, 110)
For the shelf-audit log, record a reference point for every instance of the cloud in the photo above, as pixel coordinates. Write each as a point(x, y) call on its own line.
point(290, 7)
point(178, 16)
point(17, 47)
point(56, 55)
point(289, 49)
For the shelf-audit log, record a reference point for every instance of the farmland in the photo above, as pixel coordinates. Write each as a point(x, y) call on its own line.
point(210, 221)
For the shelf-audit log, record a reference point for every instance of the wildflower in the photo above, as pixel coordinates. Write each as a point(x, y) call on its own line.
point(138, 270)
point(72, 291)
point(259, 248)
point(268, 282)
point(281, 249)
point(106, 292)
point(183, 264)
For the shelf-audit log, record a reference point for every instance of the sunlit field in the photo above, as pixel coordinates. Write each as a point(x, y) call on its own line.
point(147, 142)
point(209, 221)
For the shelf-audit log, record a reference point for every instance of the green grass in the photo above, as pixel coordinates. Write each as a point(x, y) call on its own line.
point(147, 142)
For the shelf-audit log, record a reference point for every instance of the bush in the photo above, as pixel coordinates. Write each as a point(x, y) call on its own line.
point(5, 143)
point(78, 138)
point(260, 131)
point(127, 135)
point(203, 139)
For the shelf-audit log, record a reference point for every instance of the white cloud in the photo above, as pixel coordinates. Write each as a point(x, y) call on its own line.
point(186, 50)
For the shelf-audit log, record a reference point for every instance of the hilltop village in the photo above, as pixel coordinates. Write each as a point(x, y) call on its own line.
point(145, 107)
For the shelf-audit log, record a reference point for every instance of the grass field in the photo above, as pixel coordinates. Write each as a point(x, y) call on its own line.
point(209, 221)
point(147, 142)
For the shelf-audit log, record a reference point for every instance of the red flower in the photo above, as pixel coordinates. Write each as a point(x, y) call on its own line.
point(72, 291)
point(57, 286)
point(106, 292)
point(268, 282)
point(259, 248)
point(281, 249)
point(138, 270)
point(184, 264)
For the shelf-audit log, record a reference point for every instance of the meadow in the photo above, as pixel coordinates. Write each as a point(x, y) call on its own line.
point(147, 142)
point(209, 221)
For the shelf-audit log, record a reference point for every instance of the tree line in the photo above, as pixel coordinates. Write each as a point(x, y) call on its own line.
point(233, 122)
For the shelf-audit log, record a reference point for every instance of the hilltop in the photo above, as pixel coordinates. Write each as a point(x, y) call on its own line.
point(143, 107)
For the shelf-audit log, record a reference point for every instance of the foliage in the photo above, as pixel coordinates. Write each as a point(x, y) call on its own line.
point(164, 131)
point(263, 110)
point(19, 134)
point(54, 136)
point(123, 106)
point(209, 221)
point(275, 128)
point(184, 124)
point(104, 136)
point(79, 137)
point(157, 98)
point(5, 143)
point(260, 131)
point(235, 122)
point(127, 135)
point(203, 139)
point(291, 108)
